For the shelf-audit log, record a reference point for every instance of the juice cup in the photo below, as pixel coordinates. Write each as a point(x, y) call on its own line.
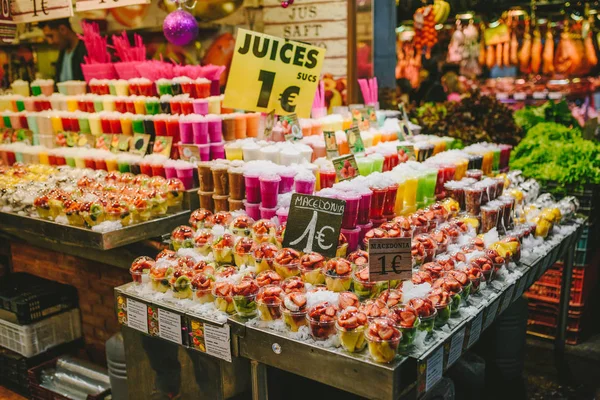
point(220, 179)
point(287, 181)
point(304, 184)
point(253, 125)
point(205, 177)
point(185, 173)
point(253, 210)
point(44, 159)
point(252, 183)
point(108, 103)
point(158, 170)
point(187, 107)
point(236, 183)
point(122, 166)
point(269, 188)
point(240, 126)
point(152, 106)
point(186, 132)
point(364, 207)
point(389, 206)
point(473, 197)
point(160, 126)
point(137, 125)
point(173, 129)
point(200, 131)
point(175, 105)
point(170, 171)
point(365, 165)
point(421, 190)
point(200, 106)
point(353, 236)
point(228, 127)
point(101, 164)
point(430, 185)
point(233, 151)
point(204, 150)
point(146, 87)
point(126, 125)
point(217, 151)
point(164, 86)
point(267, 213)
point(57, 125)
point(377, 162)
point(400, 198)
point(202, 88)
point(115, 125)
point(215, 129)
point(140, 105)
point(377, 202)
point(350, 216)
point(206, 200)
point(84, 124)
point(326, 178)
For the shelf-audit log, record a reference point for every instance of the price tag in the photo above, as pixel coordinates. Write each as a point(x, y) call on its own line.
point(331, 146)
point(291, 127)
point(406, 152)
point(189, 152)
point(314, 224)
point(539, 95)
point(89, 5)
point(345, 167)
point(124, 141)
point(162, 145)
point(23, 11)
point(355, 141)
point(169, 326)
point(23, 135)
point(490, 314)
point(8, 29)
point(521, 287)
point(103, 141)
point(114, 143)
point(508, 297)
point(270, 73)
point(269, 123)
point(475, 330)
point(435, 368)
point(456, 346)
point(390, 259)
point(218, 341)
point(86, 140)
point(139, 144)
point(137, 315)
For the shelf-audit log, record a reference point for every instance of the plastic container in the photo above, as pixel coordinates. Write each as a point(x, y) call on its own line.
point(350, 217)
point(253, 210)
point(353, 237)
point(221, 202)
point(377, 203)
point(236, 183)
point(364, 208)
point(269, 188)
point(185, 174)
point(217, 150)
point(252, 183)
point(304, 185)
point(473, 196)
point(267, 213)
point(206, 200)
point(287, 181)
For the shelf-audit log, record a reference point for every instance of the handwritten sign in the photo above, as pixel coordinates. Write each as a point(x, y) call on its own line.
point(390, 259)
point(24, 11)
point(314, 224)
point(345, 167)
point(88, 5)
point(355, 141)
point(270, 73)
point(162, 145)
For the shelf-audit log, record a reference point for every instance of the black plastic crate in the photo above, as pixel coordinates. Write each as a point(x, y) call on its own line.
point(26, 298)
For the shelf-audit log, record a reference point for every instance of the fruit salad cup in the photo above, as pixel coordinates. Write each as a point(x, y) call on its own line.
point(441, 300)
point(222, 248)
point(269, 301)
point(293, 310)
point(359, 258)
point(321, 320)
point(118, 211)
point(287, 262)
point(383, 339)
point(222, 293)
point(429, 244)
point(175, 191)
point(244, 298)
point(441, 239)
point(364, 288)
point(351, 325)
point(446, 261)
point(199, 218)
point(463, 278)
point(348, 299)
point(242, 226)
point(158, 203)
point(390, 297)
point(181, 283)
point(268, 277)
point(42, 206)
point(166, 254)
point(141, 209)
point(338, 275)
point(263, 230)
point(426, 312)
point(160, 274)
point(487, 268)
point(342, 248)
point(421, 277)
point(72, 211)
point(417, 251)
point(407, 320)
point(475, 276)
point(225, 271)
point(375, 233)
point(293, 284)
point(243, 252)
point(182, 237)
point(204, 267)
point(311, 268)
point(222, 218)
point(203, 241)
point(374, 309)
point(202, 287)
point(264, 254)
point(140, 269)
point(434, 269)
point(279, 235)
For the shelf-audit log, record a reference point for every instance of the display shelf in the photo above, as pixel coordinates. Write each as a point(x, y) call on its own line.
point(191, 201)
point(30, 229)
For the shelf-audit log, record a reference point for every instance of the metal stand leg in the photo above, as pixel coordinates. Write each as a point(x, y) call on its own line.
point(564, 372)
point(258, 373)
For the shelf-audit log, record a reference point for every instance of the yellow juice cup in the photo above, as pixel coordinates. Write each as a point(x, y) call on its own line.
point(111, 164)
point(400, 198)
point(79, 162)
point(121, 87)
point(44, 158)
point(126, 127)
point(72, 104)
point(318, 182)
point(461, 169)
point(410, 191)
point(376, 138)
point(140, 106)
point(347, 123)
point(486, 165)
point(95, 125)
point(108, 103)
point(214, 105)
point(57, 125)
point(439, 146)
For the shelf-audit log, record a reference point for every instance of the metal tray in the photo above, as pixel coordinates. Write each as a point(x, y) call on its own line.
point(27, 227)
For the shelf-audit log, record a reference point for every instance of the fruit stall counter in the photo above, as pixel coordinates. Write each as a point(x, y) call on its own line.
point(270, 343)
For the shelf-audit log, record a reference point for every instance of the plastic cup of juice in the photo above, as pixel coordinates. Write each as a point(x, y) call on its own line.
point(233, 151)
point(236, 183)
point(350, 216)
point(430, 184)
point(304, 184)
point(200, 130)
point(95, 124)
point(326, 178)
point(410, 191)
point(269, 188)
point(287, 180)
point(365, 165)
point(252, 183)
point(377, 161)
point(185, 173)
point(217, 151)
point(399, 206)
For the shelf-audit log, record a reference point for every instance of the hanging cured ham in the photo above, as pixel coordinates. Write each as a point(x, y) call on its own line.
point(525, 52)
point(548, 53)
point(536, 51)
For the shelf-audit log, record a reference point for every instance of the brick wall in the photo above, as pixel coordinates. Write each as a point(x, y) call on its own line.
point(94, 282)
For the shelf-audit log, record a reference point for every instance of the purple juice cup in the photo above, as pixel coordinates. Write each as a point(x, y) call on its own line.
point(353, 236)
point(282, 214)
point(304, 185)
point(186, 132)
point(204, 150)
point(364, 228)
point(170, 172)
point(215, 130)
point(364, 208)
point(217, 151)
point(267, 213)
point(269, 188)
point(200, 106)
point(252, 184)
point(186, 175)
point(287, 181)
point(350, 217)
point(200, 131)
point(253, 210)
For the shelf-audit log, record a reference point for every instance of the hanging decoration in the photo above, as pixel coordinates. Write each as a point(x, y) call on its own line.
point(180, 27)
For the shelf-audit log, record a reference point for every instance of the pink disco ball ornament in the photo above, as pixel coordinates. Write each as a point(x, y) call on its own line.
point(180, 27)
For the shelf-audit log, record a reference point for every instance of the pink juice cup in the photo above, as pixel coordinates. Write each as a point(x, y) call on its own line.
point(253, 210)
point(377, 202)
point(363, 208)
point(351, 210)
point(185, 173)
point(269, 188)
point(200, 106)
point(282, 215)
point(215, 129)
point(252, 183)
point(327, 178)
point(353, 236)
point(287, 181)
point(200, 131)
point(364, 228)
point(204, 150)
point(390, 202)
point(267, 213)
point(170, 172)
point(145, 168)
point(304, 185)
point(186, 132)
point(217, 151)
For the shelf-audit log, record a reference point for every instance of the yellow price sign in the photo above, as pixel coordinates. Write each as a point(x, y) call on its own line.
point(269, 73)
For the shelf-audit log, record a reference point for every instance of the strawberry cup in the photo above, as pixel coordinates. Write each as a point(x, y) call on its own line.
point(243, 251)
point(441, 300)
point(426, 312)
point(463, 278)
point(293, 310)
point(264, 255)
point(351, 325)
point(475, 276)
point(321, 320)
point(364, 288)
point(383, 339)
point(268, 277)
point(487, 268)
point(140, 269)
point(311, 268)
point(390, 297)
point(182, 237)
point(421, 277)
point(244, 296)
point(287, 263)
point(222, 248)
point(222, 293)
point(202, 242)
point(359, 258)
point(348, 299)
point(202, 286)
point(374, 309)
point(338, 275)
point(199, 218)
point(407, 321)
point(293, 284)
point(429, 245)
point(242, 226)
point(263, 230)
point(452, 286)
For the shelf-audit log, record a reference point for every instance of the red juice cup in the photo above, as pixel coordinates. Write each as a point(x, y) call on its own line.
point(145, 168)
point(173, 129)
point(51, 159)
point(120, 105)
point(100, 164)
point(287, 181)
point(115, 125)
point(327, 178)
point(252, 183)
point(105, 125)
point(129, 106)
point(377, 202)
point(90, 163)
point(473, 197)
point(202, 88)
point(158, 170)
point(390, 201)
point(82, 105)
point(66, 123)
point(60, 160)
point(160, 126)
point(186, 132)
point(387, 162)
point(353, 236)
point(146, 88)
point(269, 188)
point(134, 88)
point(351, 210)
point(175, 106)
point(439, 183)
point(364, 207)
point(187, 107)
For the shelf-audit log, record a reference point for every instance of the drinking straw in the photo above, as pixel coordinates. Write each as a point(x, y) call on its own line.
point(319, 101)
point(96, 45)
point(364, 88)
point(125, 52)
